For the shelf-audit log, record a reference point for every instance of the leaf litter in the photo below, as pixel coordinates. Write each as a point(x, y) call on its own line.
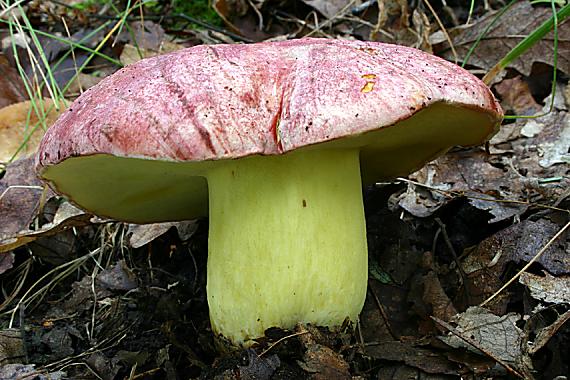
point(86, 297)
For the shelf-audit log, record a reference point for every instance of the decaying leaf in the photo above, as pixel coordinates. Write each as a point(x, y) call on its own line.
point(528, 160)
point(67, 216)
point(470, 173)
point(320, 362)
point(142, 234)
point(519, 243)
point(23, 124)
point(132, 54)
point(258, 367)
point(435, 296)
point(523, 19)
point(21, 192)
point(547, 288)
point(516, 96)
point(146, 35)
point(331, 8)
point(486, 264)
point(422, 358)
point(118, 278)
point(12, 89)
point(28, 371)
point(496, 335)
point(11, 346)
point(6, 261)
point(541, 327)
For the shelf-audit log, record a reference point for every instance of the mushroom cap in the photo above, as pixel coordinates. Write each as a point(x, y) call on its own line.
point(400, 106)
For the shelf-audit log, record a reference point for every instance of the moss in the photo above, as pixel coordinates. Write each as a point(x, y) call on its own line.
point(200, 9)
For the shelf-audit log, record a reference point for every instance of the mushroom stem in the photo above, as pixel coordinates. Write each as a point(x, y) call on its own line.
point(287, 242)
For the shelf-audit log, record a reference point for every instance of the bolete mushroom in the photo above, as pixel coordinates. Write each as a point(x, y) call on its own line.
point(273, 141)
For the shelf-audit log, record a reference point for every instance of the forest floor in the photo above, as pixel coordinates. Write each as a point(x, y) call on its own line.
point(88, 298)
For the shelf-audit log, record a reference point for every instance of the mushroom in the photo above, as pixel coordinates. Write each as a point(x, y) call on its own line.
point(272, 141)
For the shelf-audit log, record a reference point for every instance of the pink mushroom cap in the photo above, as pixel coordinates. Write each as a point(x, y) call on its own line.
point(219, 102)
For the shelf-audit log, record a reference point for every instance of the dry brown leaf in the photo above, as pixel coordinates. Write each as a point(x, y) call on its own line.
point(117, 278)
point(471, 173)
point(427, 360)
point(519, 21)
point(6, 261)
point(330, 8)
point(21, 191)
point(67, 216)
point(20, 120)
point(547, 288)
point(541, 327)
point(245, 17)
point(12, 88)
point(516, 96)
point(519, 243)
point(142, 234)
point(82, 82)
point(132, 54)
point(435, 296)
point(497, 335)
point(529, 160)
point(485, 265)
point(146, 35)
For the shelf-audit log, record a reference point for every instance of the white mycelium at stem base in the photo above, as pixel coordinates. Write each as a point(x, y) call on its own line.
point(287, 242)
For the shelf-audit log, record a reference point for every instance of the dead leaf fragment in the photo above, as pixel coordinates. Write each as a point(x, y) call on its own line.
point(12, 89)
point(142, 234)
point(435, 296)
point(119, 277)
point(6, 261)
point(330, 8)
point(28, 371)
point(422, 358)
point(67, 216)
point(259, 367)
point(471, 173)
point(548, 288)
point(11, 346)
point(519, 243)
point(516, 96)
point(25, 122)
point(497, 335)
point(523, 19)
point(132, 54)
point(21, 191)
point(541, 327)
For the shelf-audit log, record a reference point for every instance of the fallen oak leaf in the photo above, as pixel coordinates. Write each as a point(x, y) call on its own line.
point(67, 216)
